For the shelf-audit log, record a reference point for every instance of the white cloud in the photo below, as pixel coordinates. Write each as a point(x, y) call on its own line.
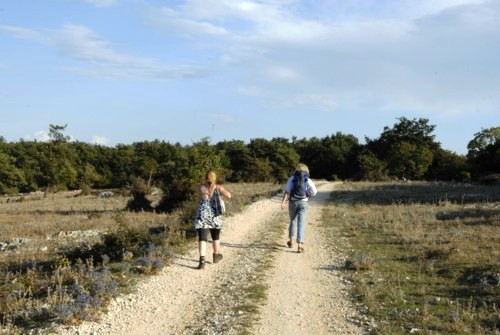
point(41, 136)
point(225, 118)
point(411, 9)
point(173, 21)
point(268, 22)
point(283, 73)
point(251, 91)
point(237, 19)
point(24, 33)
point(220, 10)
point(82, 43)
point(101, 3)
point(370, 10)
point(317, 101)
point(100, 140)
point(99, 57)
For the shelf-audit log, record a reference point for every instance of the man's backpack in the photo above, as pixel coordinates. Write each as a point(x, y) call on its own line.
point(299, 185)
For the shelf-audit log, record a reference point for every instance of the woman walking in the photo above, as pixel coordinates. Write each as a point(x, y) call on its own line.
point(206, 219)
point(298, 189)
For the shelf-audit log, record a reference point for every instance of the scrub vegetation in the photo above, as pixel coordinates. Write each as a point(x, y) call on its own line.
point(424, 256)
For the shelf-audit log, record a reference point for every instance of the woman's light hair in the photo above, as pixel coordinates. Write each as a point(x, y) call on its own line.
point(301, 167)
point(211, 177)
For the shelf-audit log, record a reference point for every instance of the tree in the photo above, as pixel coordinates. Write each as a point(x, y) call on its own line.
point(448, 165)
point(484, 152)
point(56, 135)
point(482, 141)
point(283, 159)
point(330, 157)
point(59, 166)
point(121, 164)
point(370, 167)
point(407, 148)
point(342, 151)
point(185, 172)
point(313, 154)
point(237, 160)
point(418, 132)
point(278, 153)
point(11, 178)
point(28, 157)
point(261, 170)
point(86, 164)
point(408, 160)
point(149, 157)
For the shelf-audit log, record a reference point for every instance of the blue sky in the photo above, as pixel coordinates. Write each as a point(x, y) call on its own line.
point(124, 71)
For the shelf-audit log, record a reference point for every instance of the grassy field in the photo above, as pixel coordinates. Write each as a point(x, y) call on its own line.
point(425, 257)
point(63, 256)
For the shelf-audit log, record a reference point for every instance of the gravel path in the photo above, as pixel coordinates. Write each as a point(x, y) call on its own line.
point(260, 287)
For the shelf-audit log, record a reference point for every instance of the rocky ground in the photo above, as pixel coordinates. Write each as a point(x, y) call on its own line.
point(260, 287)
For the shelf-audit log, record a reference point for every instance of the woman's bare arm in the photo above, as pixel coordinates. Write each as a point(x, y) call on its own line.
point(225, 193)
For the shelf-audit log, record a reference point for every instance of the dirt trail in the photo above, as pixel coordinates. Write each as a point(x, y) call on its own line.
point(305, 294)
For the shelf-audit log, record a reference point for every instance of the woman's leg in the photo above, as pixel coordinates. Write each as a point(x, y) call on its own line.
point(215, 233)
point(292, 213)
point(202, 246)
point(302, 208)
point(301, 223)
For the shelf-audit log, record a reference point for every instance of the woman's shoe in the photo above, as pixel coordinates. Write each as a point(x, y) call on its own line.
point(217, 258)
point(289, 244)
point(300, 250)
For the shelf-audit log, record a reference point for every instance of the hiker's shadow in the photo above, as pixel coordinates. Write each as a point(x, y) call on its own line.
point(181, 261)
point(266, 246)
point(333, 267)
point(269, 246)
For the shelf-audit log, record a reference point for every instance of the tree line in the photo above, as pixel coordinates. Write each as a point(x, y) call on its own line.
point(407, 150)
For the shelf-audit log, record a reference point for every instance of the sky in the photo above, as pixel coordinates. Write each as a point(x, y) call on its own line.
point(125, 71)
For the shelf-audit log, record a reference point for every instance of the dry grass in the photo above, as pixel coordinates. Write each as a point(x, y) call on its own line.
point(425, 255)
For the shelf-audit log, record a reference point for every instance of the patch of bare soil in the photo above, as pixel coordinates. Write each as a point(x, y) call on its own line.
point(305, 292)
